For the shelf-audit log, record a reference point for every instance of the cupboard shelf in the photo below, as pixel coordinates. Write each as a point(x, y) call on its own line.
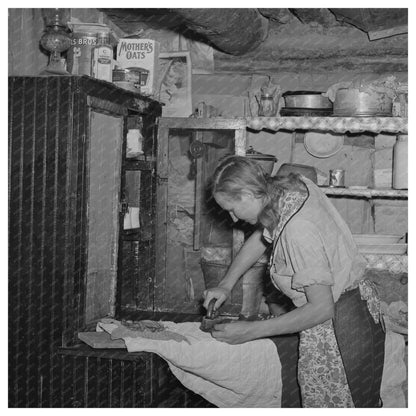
point(139, 164)
point(137, 235)
point(366, 193)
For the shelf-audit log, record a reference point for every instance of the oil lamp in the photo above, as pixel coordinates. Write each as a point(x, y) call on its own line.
point(56, 39)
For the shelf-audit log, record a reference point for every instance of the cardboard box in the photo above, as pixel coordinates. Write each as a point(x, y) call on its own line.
point(140, 56)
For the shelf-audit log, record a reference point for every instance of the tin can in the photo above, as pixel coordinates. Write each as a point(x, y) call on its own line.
point(336, 178)
point(124, 78)
point(79, 54)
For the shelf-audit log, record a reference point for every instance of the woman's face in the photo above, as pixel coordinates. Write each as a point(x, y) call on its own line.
point(171, 78)
point(247, 208)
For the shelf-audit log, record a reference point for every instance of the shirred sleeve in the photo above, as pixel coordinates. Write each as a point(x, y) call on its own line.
point(306, 254)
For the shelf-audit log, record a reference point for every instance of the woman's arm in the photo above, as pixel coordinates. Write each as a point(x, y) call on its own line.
point(319, 308)
point(251, 251)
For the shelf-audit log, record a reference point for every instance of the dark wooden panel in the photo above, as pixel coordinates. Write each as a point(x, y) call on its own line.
point(60, 103)
point(40, 135)
point(128, 263)
point(40, 301)
point(92, 381)
point(147, 204)
point(38, 244)
point(136, 283)
point(116, 378)
point(17, 350)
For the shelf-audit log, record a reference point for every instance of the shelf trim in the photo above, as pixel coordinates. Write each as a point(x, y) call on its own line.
point(366, 193)
point(334, 124)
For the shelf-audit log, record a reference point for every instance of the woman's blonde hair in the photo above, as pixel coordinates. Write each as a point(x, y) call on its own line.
point(236, 174)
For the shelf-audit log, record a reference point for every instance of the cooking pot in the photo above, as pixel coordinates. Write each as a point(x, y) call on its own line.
point(355, 102)
point(266, 161)
point(305, 170)
point(306, 99)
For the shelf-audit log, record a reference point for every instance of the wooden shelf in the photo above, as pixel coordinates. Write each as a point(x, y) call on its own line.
point(139, 164)
point(136, 235)
point(216, 123)
point(334, 124)
point(366, 192)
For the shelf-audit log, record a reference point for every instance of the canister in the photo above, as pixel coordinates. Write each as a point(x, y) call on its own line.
point(337, 178)
point(84, 39)
point(356, 102)
point(79, 54)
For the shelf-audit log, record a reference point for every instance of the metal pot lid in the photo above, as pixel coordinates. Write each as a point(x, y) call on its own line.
point(306, 112)
point(302, 93)
point(323, 145)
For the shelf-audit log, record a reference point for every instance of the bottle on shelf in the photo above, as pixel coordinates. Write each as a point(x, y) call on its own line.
point(101, 58)
point(400, 171)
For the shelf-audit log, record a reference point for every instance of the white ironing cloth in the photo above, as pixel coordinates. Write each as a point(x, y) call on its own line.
point(244, 375)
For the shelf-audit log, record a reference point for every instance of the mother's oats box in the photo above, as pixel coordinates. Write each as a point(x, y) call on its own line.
point(140, 58)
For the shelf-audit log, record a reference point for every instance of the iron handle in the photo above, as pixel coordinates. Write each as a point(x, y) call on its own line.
point(211, 313)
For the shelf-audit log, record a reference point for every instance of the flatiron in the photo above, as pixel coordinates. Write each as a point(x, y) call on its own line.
point(212, 317)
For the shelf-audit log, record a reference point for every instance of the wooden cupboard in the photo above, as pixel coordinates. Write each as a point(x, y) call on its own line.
point(67, 142)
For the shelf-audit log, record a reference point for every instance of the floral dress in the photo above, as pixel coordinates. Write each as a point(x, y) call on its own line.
point(321, 374)
point(306, 252)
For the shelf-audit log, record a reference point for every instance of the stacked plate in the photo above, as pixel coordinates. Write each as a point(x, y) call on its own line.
point(323, 145)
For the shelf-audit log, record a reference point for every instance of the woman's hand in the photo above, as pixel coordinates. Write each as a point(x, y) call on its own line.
point(219, 293)
point(236, 332)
